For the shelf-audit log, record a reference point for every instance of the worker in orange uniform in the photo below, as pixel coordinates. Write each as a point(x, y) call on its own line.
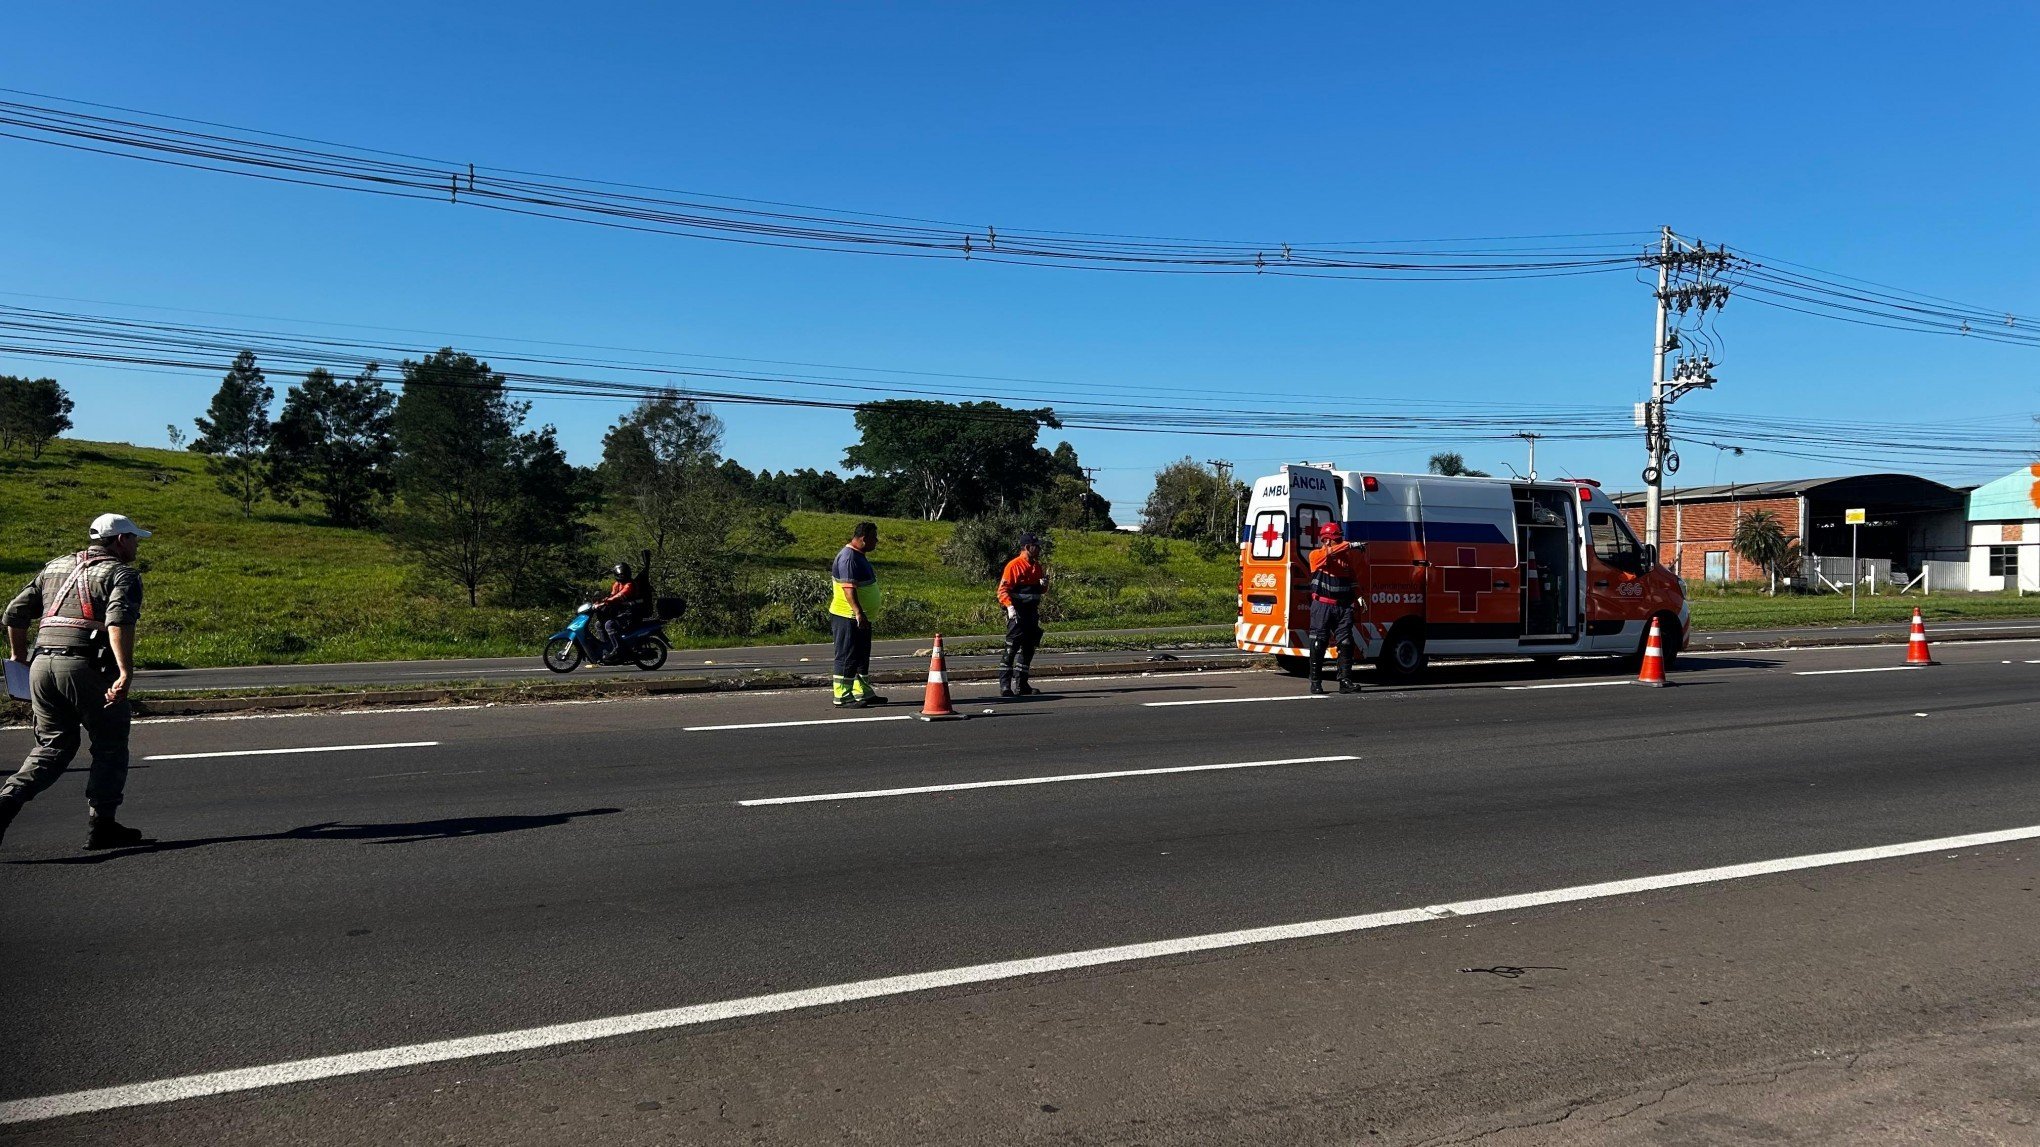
point(1334, 596)
point(1021, 588)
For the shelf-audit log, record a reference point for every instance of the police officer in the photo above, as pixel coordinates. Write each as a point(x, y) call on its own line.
point(1021, 588)
point(1334, 594)
point(86, 605)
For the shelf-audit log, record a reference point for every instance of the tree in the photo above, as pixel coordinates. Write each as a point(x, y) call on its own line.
point(962, 457)
point(541, 553)
point(1066, 500)
point(234, 434)
point(1191, 501)
point(659, 465)
point(176, 437)
point(32, 412)
point(337, 440)
point(457, 468)
point(1761, 541)
point(1450, 464)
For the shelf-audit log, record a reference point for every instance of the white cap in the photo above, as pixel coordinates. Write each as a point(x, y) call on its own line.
point(114, 525)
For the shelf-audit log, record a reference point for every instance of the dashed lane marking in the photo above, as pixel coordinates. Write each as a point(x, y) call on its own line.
point(1235, 700)
point(285, 752)
point(1572, 684)
point(467, 1047)
point(961, 786)
point(795, 724)
point(1871, 669)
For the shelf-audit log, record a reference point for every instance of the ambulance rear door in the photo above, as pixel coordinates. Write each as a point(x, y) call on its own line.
point(1280, 531)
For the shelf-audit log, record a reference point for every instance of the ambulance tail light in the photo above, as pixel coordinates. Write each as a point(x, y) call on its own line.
point(1370, 483)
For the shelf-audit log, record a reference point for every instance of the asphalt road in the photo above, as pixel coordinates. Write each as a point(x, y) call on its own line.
point(900, 654)
point(492, 870)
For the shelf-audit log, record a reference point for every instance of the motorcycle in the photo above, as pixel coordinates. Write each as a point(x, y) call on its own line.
point(643, 644)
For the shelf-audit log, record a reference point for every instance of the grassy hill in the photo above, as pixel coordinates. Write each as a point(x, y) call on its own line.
point(222, 589)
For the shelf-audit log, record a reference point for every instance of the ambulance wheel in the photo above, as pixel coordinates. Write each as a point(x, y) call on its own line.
point(1402, 653)
point(1293, 665)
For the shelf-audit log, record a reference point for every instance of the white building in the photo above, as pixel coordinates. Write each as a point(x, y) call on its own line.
point(2004, 532)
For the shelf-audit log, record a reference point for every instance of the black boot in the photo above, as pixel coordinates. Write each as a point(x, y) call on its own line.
point(1346, 672)
point(109, 833)
point(7, 810)
point(1006, 678)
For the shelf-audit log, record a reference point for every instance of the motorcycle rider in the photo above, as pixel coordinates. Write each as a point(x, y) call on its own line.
point(615, 613)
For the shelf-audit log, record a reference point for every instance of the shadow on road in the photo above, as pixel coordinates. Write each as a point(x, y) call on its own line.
point(398, 832)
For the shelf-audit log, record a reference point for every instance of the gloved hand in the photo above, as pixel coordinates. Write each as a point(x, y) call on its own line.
point(1012, 613)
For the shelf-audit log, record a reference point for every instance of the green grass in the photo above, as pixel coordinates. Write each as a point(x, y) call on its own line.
point(1745, 608)
point(221, 589)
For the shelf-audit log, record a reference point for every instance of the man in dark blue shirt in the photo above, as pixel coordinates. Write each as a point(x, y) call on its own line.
point(853, 602)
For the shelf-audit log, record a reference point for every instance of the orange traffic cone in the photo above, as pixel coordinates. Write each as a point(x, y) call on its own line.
point(1916, 645)
point(935, 705)
point(1653, 671)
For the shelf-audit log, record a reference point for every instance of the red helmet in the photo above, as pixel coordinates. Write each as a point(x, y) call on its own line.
point(1330, 532)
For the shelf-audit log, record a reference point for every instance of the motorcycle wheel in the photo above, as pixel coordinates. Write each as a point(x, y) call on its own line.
point(649, 654)
point(562, 655)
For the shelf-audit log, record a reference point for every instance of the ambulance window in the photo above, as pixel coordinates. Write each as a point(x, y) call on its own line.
point(1613, 543)
point(1270, 528)
point(1308, 519)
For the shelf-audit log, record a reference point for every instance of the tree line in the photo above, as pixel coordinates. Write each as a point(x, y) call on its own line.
point(449, 466)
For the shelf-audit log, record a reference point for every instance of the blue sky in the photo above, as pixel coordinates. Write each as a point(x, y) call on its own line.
point(1877, 140)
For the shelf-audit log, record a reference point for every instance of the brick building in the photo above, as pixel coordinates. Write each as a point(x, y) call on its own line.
point(1910, 521)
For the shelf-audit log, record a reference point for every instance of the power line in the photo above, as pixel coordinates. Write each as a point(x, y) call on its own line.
point(301, 160)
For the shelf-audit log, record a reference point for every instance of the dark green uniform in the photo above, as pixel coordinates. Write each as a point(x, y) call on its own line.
point(71, 671)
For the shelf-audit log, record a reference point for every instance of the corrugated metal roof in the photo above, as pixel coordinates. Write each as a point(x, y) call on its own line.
point(1882, 485)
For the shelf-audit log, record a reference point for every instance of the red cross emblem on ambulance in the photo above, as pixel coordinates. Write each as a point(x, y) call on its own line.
point(1466, 580)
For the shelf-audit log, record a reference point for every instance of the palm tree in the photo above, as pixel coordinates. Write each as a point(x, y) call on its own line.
point(1452, 465)
point(1761, 541)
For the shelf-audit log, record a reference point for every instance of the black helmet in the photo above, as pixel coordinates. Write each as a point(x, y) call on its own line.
point(621, 570)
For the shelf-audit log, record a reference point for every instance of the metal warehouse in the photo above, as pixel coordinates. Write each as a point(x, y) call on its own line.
point(1912, 526)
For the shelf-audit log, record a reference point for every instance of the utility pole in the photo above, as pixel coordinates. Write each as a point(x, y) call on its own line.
point(1686, 281)
point(1532, 440)
point(1224, 468)
point(1654, 412)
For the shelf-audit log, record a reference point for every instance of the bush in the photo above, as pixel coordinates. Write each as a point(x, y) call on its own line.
point(980, 547)
point(1148, 550)
point(802, 597)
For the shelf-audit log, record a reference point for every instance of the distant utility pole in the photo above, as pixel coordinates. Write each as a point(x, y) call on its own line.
point(1224, 469)
point(1686, 273)
point(1532, 440)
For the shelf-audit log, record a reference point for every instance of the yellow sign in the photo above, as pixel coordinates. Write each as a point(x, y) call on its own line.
point(1852, 517)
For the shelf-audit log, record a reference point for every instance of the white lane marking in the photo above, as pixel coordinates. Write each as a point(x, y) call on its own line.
point(1572, 684)
point(1871, 669)
point(283, 752)
point(1235, 700)
point(755, 802)
point(527, 1039)
point(794, 724)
